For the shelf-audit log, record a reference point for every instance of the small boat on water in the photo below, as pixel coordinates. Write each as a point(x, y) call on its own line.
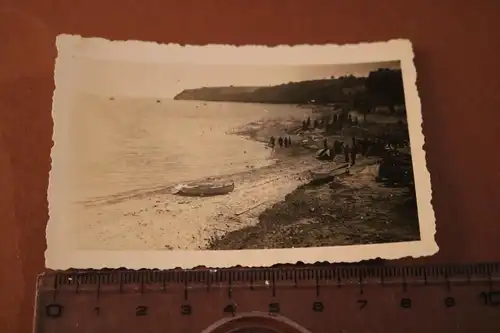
point(205, 189)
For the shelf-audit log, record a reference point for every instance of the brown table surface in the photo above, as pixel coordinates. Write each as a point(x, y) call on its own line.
point(457, 46)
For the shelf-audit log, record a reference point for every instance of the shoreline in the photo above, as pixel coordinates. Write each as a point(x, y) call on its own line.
point(151, 221)
point(155, 219)
point(342, 211)
point(257, 214)
point(347, 209)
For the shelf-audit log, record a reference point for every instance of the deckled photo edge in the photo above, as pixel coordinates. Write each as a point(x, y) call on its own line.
point(61, 254)
point(58, 233)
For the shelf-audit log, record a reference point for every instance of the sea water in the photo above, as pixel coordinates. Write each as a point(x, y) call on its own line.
point(129, 144)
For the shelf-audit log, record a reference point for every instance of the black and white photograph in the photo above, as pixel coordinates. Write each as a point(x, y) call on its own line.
point(180, 156)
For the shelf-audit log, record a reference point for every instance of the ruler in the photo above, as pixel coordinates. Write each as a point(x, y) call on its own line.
point(316, 299)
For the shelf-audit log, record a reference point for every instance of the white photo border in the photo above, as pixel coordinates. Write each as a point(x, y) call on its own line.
point(61, 250)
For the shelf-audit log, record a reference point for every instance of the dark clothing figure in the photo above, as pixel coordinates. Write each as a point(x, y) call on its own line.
point(346, 154)
point(353, 155)
point(304, 125)
point(289, 141)
point(280, 141)
point(354, 141)
point(272, 141)
point(325, 143)
point(316, 123)
point(285, 142)
point(308, 122)
point(364, 147)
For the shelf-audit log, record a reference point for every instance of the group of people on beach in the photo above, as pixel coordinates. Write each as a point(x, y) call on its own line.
point(282, 142)
point(328, 122)
point(349, 151)
point(364, 147)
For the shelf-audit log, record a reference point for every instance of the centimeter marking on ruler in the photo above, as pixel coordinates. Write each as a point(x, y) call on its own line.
point(270, 277)
point(127, 281)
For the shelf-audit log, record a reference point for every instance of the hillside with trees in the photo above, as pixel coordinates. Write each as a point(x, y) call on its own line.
point(380, 87)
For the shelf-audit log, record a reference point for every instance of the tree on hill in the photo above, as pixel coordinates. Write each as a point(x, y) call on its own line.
point(387, 84)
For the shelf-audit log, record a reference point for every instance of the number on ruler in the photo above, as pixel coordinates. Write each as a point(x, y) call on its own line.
point(318, 307)
point(231, 308)
point(186, 310)
point(449, 302)
point(405, 303)
point(53, 310)
point(141, 310)
point(491, 298)
point(362, 302)
point(274, 307)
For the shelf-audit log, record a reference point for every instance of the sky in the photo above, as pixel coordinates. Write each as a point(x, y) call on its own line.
point(163, 80)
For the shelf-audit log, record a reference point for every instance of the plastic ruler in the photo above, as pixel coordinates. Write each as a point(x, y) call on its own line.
point(442, 298)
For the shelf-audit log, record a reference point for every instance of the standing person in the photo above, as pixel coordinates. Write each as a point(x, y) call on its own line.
point(325, 143)
point(280, 141)
point(353, 155)
point(346, 153)
point(272, 142)
point(285, 142)
point(364, 146)
point(289, 141)
point(336, 147)
point(369, 147)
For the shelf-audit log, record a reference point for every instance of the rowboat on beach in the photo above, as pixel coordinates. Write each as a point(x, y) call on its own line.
point(325, 174)
point(317, 175)
point(204, 189)
point(325, 154)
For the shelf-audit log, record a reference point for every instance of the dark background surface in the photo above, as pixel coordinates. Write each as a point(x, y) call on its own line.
point(457, 48)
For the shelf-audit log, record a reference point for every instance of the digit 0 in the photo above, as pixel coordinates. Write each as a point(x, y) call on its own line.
point(53, 310)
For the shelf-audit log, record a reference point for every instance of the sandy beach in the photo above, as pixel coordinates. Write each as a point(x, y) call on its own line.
point(162, 220)
point(156, 218)
point(153, 218)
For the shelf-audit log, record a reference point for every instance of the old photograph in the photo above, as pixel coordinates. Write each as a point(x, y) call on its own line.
point(180, 156)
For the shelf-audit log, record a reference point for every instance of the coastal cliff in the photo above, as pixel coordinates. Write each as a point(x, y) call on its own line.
point(384, 85)
point(216, 94)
